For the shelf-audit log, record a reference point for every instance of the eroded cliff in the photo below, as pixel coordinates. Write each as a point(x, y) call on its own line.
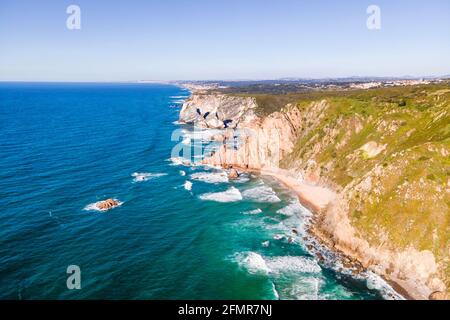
point(383, 153)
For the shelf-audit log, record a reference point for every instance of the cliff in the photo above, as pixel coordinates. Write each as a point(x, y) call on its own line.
point(373, 164)
point(218, 111)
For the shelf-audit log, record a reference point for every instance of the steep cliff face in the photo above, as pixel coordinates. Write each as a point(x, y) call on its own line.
point(387, 163)
point(218, 111)
point(261, 143)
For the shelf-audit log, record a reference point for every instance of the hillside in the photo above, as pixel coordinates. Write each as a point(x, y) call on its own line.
point(384, 152)
point(388, 153)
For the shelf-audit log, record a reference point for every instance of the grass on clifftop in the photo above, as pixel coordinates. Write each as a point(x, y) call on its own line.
point(401, 196)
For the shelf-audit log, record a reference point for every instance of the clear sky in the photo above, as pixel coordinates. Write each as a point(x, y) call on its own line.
point(221, 39)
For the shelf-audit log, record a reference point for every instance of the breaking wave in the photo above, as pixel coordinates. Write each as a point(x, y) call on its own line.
point(210, 177)
point(252, 212)
point(293, 264)
point(256, 263)
point(261, 194)
point(231, 195)
point(188, 185)
point(252, 262)
point(294, 208)
point(145, 176)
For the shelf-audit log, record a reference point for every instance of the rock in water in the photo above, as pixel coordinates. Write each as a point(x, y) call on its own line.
point(107, 204)
point(233, 174)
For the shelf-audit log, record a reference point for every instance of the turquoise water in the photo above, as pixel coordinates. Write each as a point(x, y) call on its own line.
point(66, 146)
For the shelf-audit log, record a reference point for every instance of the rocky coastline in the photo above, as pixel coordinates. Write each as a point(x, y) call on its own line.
point(264, 142)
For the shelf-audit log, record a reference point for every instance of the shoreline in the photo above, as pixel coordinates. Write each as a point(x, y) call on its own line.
point(317, 199)
point(308, 198)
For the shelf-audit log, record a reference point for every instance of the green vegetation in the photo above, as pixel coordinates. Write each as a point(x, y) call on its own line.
point(401, 196)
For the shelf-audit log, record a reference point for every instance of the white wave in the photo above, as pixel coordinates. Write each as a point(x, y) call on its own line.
point(94, 206)
point(201, 134)
point(242, 178)
point(231, 195)
point(294, 208)
point(292, 264)
point(178, 101)
point(188, 185)
point(253, 262)
point(266, 244)
point(182, 173)
point(145, 176)
point(275, 292)
point(261, 194)
point(305, 288)
point(256, 211)
point(210, 177)
point(179, 97)
point(278, 236)
point(375, 282)
point(178, 161)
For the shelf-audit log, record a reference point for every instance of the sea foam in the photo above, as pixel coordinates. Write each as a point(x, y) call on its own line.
point(145, 176)
point(292, 264)
point(231, 195)
point(210, 177)
point(179, 161)
point(294, 208)
point(253, 212)
point(261, 194)
point(188, 185)
point(253, 262)
point(256, 263)
point(204, 135)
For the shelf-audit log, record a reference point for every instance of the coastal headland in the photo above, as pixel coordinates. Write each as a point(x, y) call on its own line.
point(372, 164)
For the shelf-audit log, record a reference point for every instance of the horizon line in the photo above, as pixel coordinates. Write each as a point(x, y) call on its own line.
point(143, 81)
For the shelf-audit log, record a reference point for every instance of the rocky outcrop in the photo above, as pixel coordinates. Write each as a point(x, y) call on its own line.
point(261, 143)
point(233, 174)
point(107, 204)
point(218, 111)
point(372, 149)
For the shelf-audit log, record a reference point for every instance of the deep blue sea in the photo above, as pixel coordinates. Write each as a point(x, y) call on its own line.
point(64, 147)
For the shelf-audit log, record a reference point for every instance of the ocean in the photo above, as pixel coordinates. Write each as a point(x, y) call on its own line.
point(181, 232)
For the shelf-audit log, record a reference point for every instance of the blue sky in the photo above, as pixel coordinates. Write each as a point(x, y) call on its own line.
point(221, 39)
